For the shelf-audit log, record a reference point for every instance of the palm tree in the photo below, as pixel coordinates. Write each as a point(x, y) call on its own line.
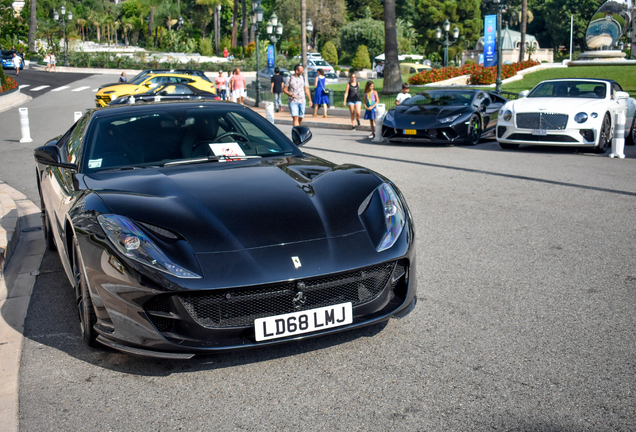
point(33, 26)
point(524, 24)
point(392, 75)
point(126, 27)
point(235, 23)
point(81, 23)
point(107, 22)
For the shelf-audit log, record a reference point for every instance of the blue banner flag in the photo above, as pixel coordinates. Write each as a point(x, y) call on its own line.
point(490, 40)
point(271, 58)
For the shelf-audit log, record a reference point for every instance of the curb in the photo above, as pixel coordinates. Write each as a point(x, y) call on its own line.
point(16, 285)
point(9, 223)
point(12, 100)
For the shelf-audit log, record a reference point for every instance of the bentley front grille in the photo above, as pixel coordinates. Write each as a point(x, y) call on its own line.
point(240, 307)
point(548, 121)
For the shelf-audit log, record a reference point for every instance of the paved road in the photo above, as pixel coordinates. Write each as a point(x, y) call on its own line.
point(526, 318)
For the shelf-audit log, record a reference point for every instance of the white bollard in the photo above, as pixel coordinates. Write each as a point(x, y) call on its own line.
point(24, 125)
point(380, 112)
point(269, 112)
point(618, 142)
point(77, 115)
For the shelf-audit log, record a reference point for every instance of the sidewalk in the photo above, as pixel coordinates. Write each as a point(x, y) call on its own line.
point(337, 118)
point(19, 220)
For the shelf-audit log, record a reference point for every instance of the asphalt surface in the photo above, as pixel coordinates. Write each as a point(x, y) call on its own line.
point(525, 320)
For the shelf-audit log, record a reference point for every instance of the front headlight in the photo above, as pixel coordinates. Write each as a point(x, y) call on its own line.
point(131, 242)
point(449, 119)
point(507, 115)
point(382, 215)
point(580, 117)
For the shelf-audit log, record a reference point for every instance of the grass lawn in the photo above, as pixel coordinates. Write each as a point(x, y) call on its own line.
point(624, 75)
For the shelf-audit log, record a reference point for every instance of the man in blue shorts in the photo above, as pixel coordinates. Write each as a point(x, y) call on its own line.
point(296, 88)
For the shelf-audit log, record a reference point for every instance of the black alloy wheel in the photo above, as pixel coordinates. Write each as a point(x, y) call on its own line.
point(604, 136)
point(630, 138)
point(85, 308)
point(473, 134)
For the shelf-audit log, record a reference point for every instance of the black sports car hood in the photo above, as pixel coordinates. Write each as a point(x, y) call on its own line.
point(232, 206)
point(404, 115)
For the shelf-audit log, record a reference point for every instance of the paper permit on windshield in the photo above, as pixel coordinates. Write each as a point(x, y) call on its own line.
point(227, 149)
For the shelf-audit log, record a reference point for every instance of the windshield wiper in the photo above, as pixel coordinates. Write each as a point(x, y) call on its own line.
point(209, 159)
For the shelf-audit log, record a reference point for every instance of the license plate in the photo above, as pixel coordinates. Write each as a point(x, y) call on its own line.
point(540, 132)
point(297, 323)
point(410, 132)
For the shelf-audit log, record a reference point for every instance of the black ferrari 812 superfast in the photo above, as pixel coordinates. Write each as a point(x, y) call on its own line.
point(191, 227)
point(443, 116)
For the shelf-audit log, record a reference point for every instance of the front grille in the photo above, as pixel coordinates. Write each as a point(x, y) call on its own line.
point(549, 121)
point(539, 138)
point(240, 307)
point(157, 309)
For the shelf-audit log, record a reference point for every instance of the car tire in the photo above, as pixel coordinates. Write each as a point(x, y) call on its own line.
point(509, 146)
point(473, 134)
point(630, 138)
point(85, 309)
point(604, 136)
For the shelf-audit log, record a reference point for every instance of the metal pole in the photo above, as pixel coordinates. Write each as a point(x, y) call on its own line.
point(446, 51)
point(498, 82)
point(258, 83)
point(571, 34)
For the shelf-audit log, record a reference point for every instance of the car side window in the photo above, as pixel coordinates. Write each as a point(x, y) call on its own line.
point(412, 70)
point(74, 143)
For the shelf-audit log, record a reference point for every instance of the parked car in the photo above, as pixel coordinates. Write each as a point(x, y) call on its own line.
point(314, 65)
point(194, 227)
point(146, 82)
point(412, 68)
point(447, 115)
point(577, 112)
point(310, 56)
point(167, 92)
point(265, 76)
point(7, 59)
point(331, 77)
point(146, 72)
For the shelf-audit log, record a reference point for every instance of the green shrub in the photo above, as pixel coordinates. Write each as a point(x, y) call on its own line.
point(205, 47)
point(362, 59)
point(330, 53)
point(470, 61)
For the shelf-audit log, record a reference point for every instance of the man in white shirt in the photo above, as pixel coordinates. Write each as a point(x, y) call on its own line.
point(380, 69)
point(401, 97)
point(17, 62)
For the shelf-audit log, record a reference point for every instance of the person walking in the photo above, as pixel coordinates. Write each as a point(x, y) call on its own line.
point(220, 83)
point(371, 100)
point(47, 60)
point(52, 64)
point(321, 96)
point(237, 83)
point(17, 61)
point(277, 89)
point(122, 78)
point(352, 100)
point(296, 88)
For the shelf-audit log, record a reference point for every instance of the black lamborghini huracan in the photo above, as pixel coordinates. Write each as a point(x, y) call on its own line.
point(451, 116)
point(189, 227)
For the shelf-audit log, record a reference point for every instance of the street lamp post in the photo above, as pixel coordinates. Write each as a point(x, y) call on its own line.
point(446, 42)
point(257, 18)
point(217, 26)
point(56, 17)
point(500, 5)
point(274, 31)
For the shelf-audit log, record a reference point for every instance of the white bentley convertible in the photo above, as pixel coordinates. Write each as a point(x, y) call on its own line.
point(576, 112)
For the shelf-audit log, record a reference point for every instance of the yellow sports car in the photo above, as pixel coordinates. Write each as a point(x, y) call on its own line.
point(146, 82)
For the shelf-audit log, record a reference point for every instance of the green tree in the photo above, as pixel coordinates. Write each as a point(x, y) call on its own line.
point(557, 19)
point(368, 32)
point(357, 9)
point(361, 60)
point(466, 14)
point(330, 53)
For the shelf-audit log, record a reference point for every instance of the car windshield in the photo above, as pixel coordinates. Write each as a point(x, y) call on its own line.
point(7, 54)
point(331, 75)
point(172, 134)
point(441, 98)
point(320, 62)
point(570, 89)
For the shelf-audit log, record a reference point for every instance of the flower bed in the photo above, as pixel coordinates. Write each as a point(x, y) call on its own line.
point(11, 84)
point(479, 75)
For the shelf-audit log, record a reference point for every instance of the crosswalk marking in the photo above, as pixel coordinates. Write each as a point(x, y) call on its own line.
point(42, 87)
point(61, 88)
point(80, 88)
point(95, 90)
point(24, 86)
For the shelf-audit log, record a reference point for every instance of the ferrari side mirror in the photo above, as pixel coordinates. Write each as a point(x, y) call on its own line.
point(301, 135)
point(50, 155)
